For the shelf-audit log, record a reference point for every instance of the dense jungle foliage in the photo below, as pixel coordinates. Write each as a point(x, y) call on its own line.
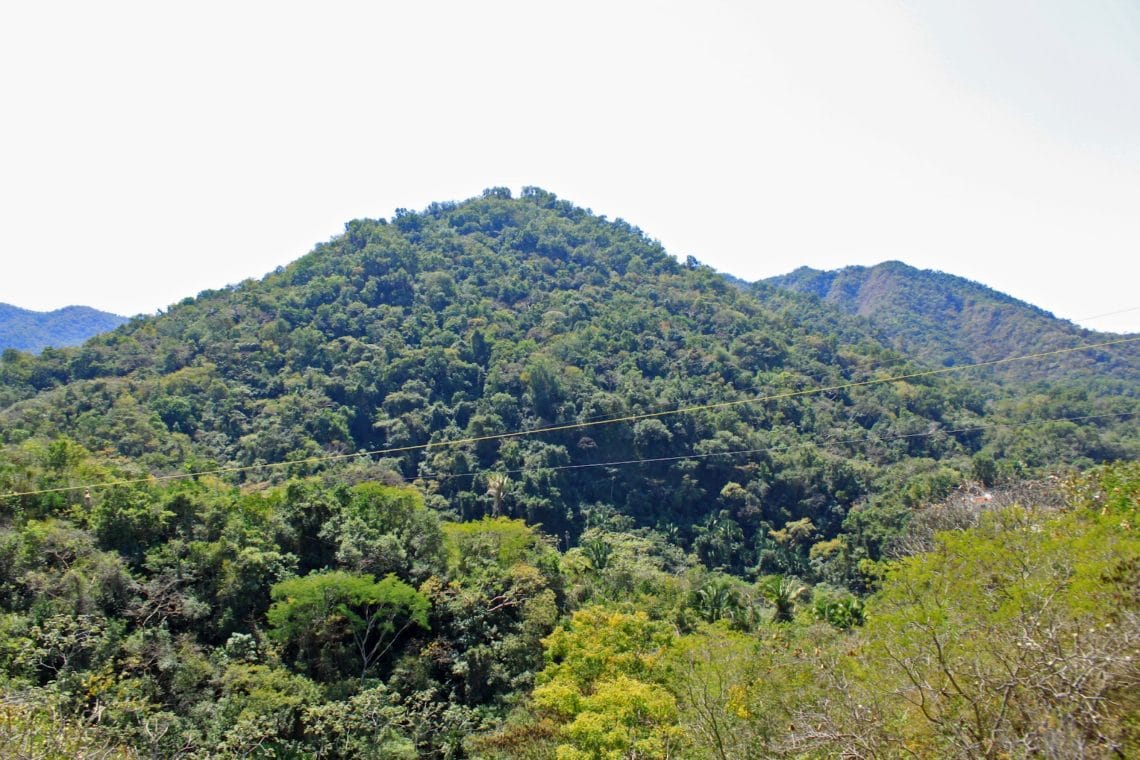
point(947, 320)
point(373, 556)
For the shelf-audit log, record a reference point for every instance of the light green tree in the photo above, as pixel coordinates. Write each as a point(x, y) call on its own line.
point(604, 687)
point(323, 621)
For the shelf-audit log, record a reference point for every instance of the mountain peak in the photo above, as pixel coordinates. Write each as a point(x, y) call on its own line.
point(941, 318)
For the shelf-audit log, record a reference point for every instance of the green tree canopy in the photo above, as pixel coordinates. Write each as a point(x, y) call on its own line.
point(325, 621)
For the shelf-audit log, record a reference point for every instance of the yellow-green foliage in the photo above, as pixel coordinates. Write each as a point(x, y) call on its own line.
point(323, 620)
point(508, 541)
point(626, 569)
point(604, 685)
point(715, 676)
point(1110, 490)
point(1018, 637)
point(36, 732)
point(623, 717)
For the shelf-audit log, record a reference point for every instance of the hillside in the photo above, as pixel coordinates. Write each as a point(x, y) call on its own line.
point(503, 479)
point(500, 314)
point(33, 331)
point(947, 320)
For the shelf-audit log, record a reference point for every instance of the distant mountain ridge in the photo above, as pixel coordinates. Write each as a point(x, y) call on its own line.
point(27, 330)
point(943, 319)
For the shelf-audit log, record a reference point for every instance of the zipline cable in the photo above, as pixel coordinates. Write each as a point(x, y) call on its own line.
point(779, 447)
point(1108, 314)
point(576, 425)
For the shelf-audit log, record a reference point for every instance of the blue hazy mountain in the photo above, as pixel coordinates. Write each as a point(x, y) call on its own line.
point(27, 330)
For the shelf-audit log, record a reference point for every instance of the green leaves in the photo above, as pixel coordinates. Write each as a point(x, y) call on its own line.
point(604, 686)
point(385, 529)
point(782, 593)
point(975, 647)
point(495, 317)
point(326, 621)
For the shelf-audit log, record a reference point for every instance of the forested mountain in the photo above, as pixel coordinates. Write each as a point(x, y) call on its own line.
point(948, 320)
point(503, 314)
point(26, 330)
point(502, 478)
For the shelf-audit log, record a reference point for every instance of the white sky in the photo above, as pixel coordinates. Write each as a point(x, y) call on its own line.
point(152, 150)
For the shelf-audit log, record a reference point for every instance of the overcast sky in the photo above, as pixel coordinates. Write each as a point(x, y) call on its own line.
point(150, 150)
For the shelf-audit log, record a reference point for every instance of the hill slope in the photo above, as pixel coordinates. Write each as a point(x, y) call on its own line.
point(26, 330)
point(692, 460)
point(947, 320)
point(497, 315)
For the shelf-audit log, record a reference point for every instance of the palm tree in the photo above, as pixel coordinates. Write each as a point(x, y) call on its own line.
point(717, 598)
point(598, 553)
point(783, 593)
point(497, 485)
